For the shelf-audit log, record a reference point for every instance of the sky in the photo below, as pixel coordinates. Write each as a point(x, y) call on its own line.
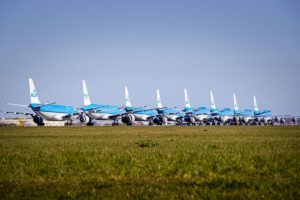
point(248, 47)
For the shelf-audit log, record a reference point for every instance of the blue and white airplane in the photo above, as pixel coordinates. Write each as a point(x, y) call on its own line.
point(47, 111)
point(98, 111)
point(216, 116)
point(200, 115)
point(137, 114)
point(262, 116)
point(166, 115)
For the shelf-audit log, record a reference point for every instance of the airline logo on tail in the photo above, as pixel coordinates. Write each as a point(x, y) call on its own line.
point(33, 94)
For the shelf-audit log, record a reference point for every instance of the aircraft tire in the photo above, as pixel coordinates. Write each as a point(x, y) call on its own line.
point(90, 124)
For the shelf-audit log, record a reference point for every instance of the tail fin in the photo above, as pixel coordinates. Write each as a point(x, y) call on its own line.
point(235, 105)
point(33, 95)
point(127, 100)
point(159, 104)
point(255, 104)
point(212, 101)
point(186, 99)
point(86, 97)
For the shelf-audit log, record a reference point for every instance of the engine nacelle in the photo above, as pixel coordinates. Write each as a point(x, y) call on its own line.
point(264, 120)
point(160, 120)
point(84, 118)
point(189, 119)
point(129, 118)
point(222, 119)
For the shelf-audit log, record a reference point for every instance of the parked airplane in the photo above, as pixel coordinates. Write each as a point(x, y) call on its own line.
point(200, 115)
point(98, 111)
point(218, 117)
point(140, 114)
point(262, 116)
point(48, 111)
point(167, 114)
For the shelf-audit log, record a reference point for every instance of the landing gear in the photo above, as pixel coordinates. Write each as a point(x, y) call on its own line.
point(115, 123)
point(69, 123)
point(90, 124)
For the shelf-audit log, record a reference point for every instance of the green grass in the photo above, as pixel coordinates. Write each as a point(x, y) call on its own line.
point(150, 163)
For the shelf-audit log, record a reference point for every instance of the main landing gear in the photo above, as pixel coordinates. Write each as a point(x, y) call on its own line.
point(115, 123)
point(69, 123)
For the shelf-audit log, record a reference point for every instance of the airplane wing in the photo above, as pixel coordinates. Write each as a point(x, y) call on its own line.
point(130, 112)
point(45, 104)
point(95, 109)
point(68, 116)
point(26, 106)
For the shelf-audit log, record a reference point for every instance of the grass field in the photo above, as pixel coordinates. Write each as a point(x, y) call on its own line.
point(150, 163)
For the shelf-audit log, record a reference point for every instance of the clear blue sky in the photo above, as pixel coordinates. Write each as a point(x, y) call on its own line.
point(247, 47)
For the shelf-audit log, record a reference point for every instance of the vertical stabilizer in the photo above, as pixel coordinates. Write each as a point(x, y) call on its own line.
point(33, 94)
point(235, 105)
point(212, 101)
point(186, 99)
point(86, 97)
point(159, 104)
point(255, 104)
point(127, 100)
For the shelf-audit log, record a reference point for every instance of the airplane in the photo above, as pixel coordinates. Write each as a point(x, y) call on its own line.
point(98, 111)
point(137, 114)
point(262, 116)
point(200, 115)
point(218, 117)
point(46, 111)
point(167, 114)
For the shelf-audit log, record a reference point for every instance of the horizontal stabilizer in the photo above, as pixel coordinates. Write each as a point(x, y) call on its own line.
point(15, 104)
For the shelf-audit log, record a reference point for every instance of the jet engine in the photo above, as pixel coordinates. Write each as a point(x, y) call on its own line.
point(189, 119)
point(84, 118)
point(160, 120)
point(129, 118)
